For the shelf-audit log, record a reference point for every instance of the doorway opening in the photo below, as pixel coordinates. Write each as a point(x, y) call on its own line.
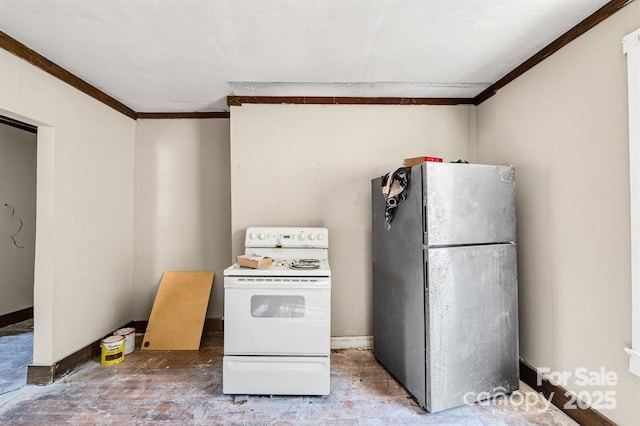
point(18, 163)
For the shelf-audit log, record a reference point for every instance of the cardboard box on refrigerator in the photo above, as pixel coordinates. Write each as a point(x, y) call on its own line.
point(410, 162)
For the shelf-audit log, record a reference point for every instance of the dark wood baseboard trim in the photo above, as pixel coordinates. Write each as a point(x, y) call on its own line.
point(140, 326)
point(16, 317)
point(40, 374)
point(561, 398)
point(47, 374)
point(210, 324)
point(213, 324)
point(336, 100)
point(177, 115)
point(591, 21)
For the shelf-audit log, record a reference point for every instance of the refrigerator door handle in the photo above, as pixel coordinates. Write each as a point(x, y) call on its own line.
point(424, 220)
point(425, 265)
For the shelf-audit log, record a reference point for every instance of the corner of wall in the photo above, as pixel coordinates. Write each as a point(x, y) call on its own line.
point(473, 134)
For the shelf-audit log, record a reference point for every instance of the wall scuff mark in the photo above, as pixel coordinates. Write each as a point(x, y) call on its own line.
point(13, 215)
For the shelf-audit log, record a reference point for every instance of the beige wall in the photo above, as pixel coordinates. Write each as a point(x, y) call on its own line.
point(312, 165)
point(18, 190)
point(182, 207)
point(564, 126)
point(84, 245)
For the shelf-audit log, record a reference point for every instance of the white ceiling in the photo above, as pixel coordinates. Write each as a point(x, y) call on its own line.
point(188, 55)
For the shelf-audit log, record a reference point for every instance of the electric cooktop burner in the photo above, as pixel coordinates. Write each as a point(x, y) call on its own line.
point(292, 267)
point(305, 264)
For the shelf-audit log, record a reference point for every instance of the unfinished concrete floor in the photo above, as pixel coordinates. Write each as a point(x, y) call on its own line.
point(186, 388)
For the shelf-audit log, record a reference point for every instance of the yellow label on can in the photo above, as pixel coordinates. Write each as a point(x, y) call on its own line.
point(112, 350)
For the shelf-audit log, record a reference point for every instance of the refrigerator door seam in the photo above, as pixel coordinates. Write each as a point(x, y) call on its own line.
point(437, 246)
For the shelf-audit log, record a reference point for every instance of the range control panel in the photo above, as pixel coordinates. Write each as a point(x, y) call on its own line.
point(286, 237)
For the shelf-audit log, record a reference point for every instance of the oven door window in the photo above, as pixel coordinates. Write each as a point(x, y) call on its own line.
point(277, 306)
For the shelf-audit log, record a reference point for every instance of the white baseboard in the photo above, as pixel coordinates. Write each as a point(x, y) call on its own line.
point(352, 342)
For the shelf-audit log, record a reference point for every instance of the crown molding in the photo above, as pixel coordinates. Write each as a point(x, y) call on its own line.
point(343, 100)
point(585, 25)
point(12, 45)
point(173, 115)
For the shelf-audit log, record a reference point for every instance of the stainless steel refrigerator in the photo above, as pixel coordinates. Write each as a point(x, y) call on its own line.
point(445, 284)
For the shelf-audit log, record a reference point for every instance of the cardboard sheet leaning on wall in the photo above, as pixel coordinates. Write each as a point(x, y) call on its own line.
point(179, 310)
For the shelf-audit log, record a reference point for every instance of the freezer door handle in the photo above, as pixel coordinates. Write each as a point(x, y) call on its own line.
point(424, 218)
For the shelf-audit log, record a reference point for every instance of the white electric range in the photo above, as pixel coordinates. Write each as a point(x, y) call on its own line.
point(277, 323)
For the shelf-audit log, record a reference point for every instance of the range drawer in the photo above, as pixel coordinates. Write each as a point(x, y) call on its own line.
point(264, 375)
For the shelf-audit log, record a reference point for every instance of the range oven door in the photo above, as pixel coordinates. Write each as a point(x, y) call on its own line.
point(277, 316)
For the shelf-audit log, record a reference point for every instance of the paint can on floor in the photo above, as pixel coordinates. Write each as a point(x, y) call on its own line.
point(112, 350)
point(129, 334)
